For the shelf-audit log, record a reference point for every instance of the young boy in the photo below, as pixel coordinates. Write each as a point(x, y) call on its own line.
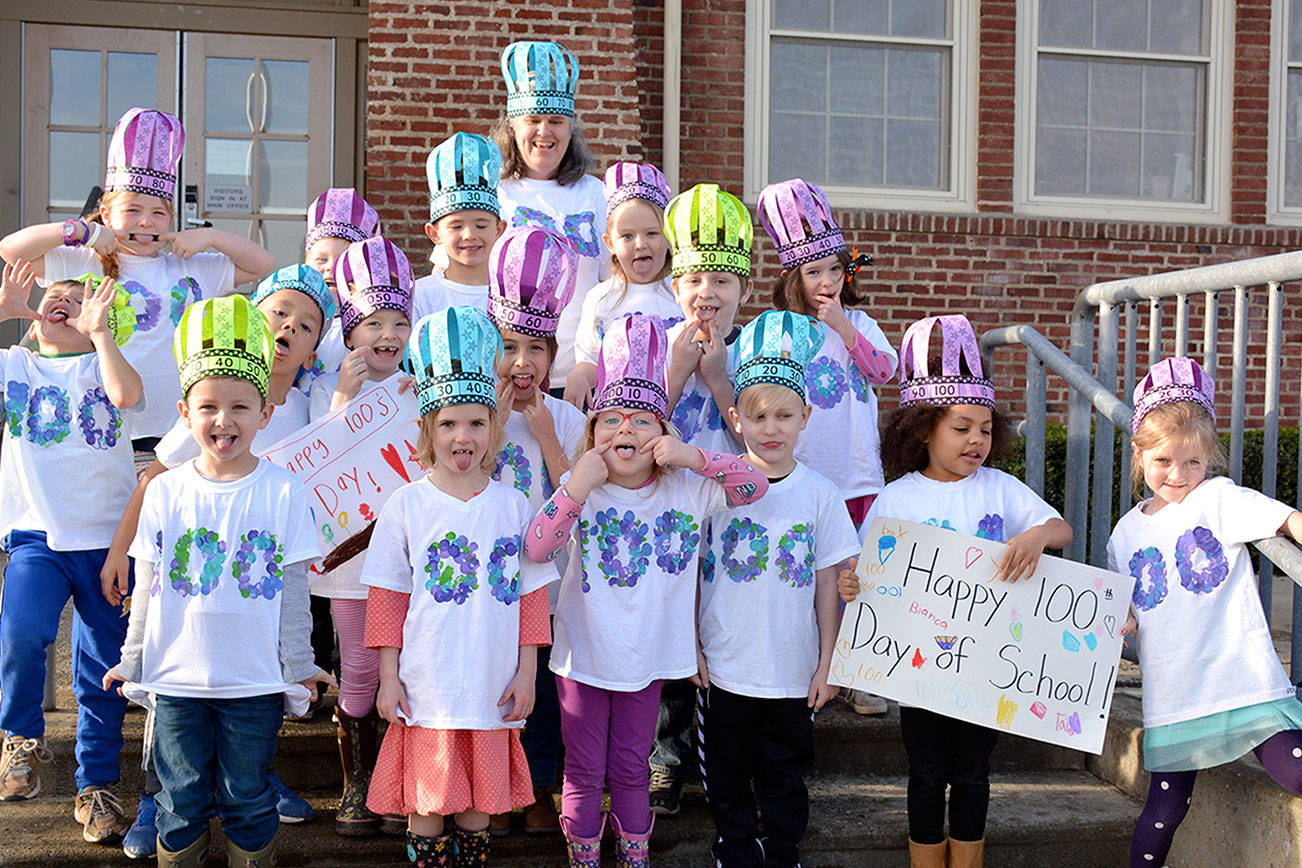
point(709, 232)
point(298, 306)
point(219, 620)
point(769, 610)
point(66, 472)
point(463, 222)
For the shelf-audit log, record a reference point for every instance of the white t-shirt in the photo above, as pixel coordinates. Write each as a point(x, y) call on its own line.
point(66, 467)
point(1205, 646)
point(462, 564)
point(606, 303)
point(696, 415)
point(841, 440)
point(520, 463)
point(161, 288)
point(759, 629)
point(627, 608)
point(434, 292)
point(213, 623)
point(179, 446)
point(578, 212)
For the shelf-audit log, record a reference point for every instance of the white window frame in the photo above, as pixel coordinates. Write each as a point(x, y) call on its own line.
point(1276, 211)
point(1217, 123)
point(961, 195)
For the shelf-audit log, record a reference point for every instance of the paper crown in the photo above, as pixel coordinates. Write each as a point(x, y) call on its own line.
point(799, 220)
point(453, 355)
point(1171, 380)
point(340, 213)
point(371, 275)
point(304, 279)
point(709, 230)
point(541, 78)
point(463, 172)
point(143, 153)
point(121, 315)
point(626, 181)
point(776, 347)
point(223, 337)
point(631, 366)
point(531, 273)
point(919, 385)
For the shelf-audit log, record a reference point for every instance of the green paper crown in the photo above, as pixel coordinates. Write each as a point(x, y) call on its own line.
point(122, 316)
point(223, 337)
point(709, 229)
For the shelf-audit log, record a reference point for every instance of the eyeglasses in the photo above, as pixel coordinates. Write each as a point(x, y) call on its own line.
point(641, 420)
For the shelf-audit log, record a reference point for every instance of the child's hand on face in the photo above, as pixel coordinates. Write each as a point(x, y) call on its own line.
point(108, 241)
point(669, 451)
point(95, 303)
point(15, 289)
point(847, 582)
point(1022, 556)
point(714, 354)
point(504, 399)
point(539, 418)
point(319, 677)
point(686, 353)
point(832, 314)
point(588, 472)
point(391, 699)
point(520, 693)
point(353, 371)
point(188, 242)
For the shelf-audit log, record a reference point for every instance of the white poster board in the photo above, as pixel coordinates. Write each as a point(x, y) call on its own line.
point(933, 629)
point(352, 459)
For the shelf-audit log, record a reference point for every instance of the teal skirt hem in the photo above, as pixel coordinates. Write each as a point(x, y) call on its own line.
point(1218, 738)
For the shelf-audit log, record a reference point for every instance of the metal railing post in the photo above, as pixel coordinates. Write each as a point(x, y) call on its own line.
point(1037, 387)
point(1101, 507)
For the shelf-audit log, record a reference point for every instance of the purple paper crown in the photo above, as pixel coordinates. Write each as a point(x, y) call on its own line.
point(798, 219)
point(631, 366)
point(1171, 380)
point(626, 181)
point(371, 275)
point(531, 273)
point(950, 385)
point(340, 213)
point(143, 153)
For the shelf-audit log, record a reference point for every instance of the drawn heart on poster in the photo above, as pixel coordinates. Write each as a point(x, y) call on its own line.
point(1074, 723)
point(1110, 624)
point(972, 556)
point(1098, 583)
point(1092, 641)
point(1015, 630)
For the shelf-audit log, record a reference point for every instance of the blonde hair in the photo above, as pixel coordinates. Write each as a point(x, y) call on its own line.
point(425, 440)
point(658, 471)
point(109, 262)
point(762, 396)
point(618, 269)
point(1185, 422)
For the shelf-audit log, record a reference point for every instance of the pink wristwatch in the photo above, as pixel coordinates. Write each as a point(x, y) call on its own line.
point(72, 231)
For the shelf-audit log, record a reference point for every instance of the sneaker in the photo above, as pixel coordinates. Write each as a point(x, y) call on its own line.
point(291, 807)
point(141, 840)
point(100, 814)
point(666, 791)
point(865, 703)
point(19, 778)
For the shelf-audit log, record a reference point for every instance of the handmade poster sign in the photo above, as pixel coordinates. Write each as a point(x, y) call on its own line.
point(932, 628)
point(353, 459)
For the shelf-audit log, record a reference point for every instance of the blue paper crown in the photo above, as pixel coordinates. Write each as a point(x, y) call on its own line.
point(453, 355)
point(776, 347)
point(304, 279)
point(463, 172)
point(541, 78)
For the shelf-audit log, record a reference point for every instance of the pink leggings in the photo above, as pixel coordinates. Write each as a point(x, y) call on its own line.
point(607, 737)
point(359, 666)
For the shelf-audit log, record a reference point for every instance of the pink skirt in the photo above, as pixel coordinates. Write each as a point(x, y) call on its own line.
point(447, 771)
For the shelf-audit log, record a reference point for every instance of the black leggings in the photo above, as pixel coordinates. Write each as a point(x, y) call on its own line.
point(946, 753)
point(1170, 793)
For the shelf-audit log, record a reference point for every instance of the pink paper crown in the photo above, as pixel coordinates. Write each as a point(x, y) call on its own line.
point(631, 366)
point(371, 275)
point(340, 213)
point(798, 219)
point(531, 273)
point(626, 181)
point(142, 156)
point(918, 385)
point(1171, 380)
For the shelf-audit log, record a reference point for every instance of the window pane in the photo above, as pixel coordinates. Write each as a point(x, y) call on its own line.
point(919, 18)
point(1171, 98)
point(802, 14)
point(913, 83)
point(228, 83)
point(1168, 167)
point(1176, 26)
point(226, 162)
point(76, 165)
point(1115, 94)
point(1060, 163)
point(913, 154)
point(796, 147)
point(799, 78)
point(1061, 92)
point(282, 177)
point(132, 81)
point(1066, 23)
point(286, 96)
point(1295, 30)
point(860, 76)
point(284, 239)
point(1114, 164)
point(862, 16)
point(1121, 25)
point(1293, 140)
point(855, 155)
point(74, 88)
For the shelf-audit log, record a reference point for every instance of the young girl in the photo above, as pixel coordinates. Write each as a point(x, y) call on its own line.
point(818, 280)
point(939, 439)
point(1213, 686)
point(636, 196)
point(531, 279)
point(545, 166)
point(455, 609)
point(374, 283)
point(625, 619)
point(134, 243)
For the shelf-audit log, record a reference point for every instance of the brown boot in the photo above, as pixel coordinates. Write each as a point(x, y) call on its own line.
point(499, 825)
point(357, 753)
point(926, 855)
point(966, 854)
point(540, 818)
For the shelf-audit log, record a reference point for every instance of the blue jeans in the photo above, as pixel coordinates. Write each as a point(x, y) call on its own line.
point(38, 582)
point(214, 757)
point(675, 728)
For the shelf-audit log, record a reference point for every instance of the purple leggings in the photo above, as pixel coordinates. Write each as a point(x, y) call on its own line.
point(1170, 793)
point(607, 736)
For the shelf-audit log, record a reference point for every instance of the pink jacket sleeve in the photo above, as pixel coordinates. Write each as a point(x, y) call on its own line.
point(741, 482)
point(551, 527)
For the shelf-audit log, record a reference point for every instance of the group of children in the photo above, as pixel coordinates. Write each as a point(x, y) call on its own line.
point(632, 505)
